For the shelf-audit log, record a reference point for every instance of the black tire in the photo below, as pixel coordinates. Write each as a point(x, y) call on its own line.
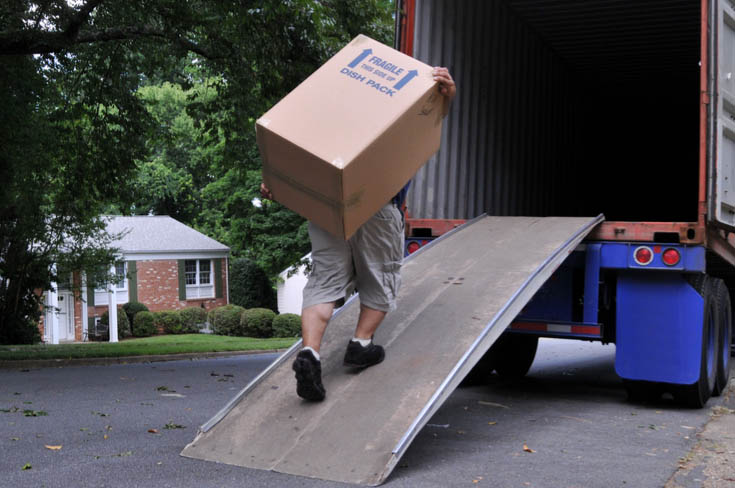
point(642, 391)
point(480, 374)
point(513, 354)
point(697, 394)
point(724, 309)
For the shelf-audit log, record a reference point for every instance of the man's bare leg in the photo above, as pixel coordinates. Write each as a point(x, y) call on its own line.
point(369, 321)
point(314, 322)
point(307, 365)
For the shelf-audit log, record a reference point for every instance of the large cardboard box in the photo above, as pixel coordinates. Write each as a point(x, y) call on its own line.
point(347, 139)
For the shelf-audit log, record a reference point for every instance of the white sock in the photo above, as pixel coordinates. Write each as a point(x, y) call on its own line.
point(316, 354)
point(363, 342)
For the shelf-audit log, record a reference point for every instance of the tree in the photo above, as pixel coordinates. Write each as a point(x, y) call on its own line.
point(76, 129)
point(180, 153)
point(250, 286)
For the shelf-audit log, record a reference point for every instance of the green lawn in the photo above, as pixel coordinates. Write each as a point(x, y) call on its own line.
point(165, 344)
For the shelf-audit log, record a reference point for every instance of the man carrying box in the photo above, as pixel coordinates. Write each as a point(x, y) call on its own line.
point(370, 261)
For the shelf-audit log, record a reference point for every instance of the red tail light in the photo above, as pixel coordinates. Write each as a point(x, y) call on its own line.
point(412, 247)
point(671, 257)
point(643, 255)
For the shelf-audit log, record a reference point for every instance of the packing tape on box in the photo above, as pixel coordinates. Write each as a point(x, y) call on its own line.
point(351, 201)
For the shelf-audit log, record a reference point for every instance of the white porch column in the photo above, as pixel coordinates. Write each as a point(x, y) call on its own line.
point(53, 314)
point(112, 308)
point(85, 319)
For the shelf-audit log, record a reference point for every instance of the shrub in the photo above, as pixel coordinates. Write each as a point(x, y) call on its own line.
point(123, 325)
point(192, 318)
point(20, 330)
point(287, 325)
point(97, 331)
point(143, 325)
point(131, 308)
point(250, 286)
point(257, 322)
point(225, 320)
point(169, 321)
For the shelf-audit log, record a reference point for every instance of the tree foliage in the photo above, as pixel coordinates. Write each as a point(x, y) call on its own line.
point(250, 286)
point(147, 107)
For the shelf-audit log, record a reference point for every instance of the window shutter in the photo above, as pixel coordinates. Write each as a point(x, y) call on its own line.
point(132, 281)
point(182, 280)
point(90, 293)
point(218, 278)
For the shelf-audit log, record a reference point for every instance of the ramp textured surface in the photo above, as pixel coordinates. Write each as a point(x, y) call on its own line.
point(458, 296)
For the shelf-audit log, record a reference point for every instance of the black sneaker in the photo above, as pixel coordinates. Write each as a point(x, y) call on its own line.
point(309, 377)
point(359, 356)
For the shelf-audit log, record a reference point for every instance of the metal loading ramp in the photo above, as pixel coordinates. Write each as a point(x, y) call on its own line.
point(458, 295)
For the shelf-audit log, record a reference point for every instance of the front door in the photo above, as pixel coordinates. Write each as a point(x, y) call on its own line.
point(66, 316)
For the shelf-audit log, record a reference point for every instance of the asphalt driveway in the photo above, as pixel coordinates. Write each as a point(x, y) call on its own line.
point(567, 425)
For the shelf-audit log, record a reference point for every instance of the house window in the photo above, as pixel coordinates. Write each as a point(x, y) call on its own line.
point(121, 282)
point(199, 279)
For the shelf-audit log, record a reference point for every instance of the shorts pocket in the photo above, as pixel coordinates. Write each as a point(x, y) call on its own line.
point(391, 280)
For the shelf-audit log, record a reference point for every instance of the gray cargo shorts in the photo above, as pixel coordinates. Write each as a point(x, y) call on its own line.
point(369, 262)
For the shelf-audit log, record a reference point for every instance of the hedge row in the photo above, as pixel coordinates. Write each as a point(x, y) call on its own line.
point(185, 321)
point(230, 320)
point(233, 320)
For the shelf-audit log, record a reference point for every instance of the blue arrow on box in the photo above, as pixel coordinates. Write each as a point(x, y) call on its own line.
point(409, 76)
point(363, 55)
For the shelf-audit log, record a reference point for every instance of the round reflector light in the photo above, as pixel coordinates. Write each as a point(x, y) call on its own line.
point(413, 246)
point(671, 257)
point(643, 255)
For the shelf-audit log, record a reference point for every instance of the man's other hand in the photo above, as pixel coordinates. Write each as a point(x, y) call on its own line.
point(265, 192)
point(446, 82)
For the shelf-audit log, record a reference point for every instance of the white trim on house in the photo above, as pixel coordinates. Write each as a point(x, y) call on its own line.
point(121, 292)
point(198, 289)
point(112, 310)
point(65, 315)
point(169, 256)
point(85, 308)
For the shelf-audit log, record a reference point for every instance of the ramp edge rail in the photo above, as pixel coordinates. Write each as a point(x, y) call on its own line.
point(207, 426)
point(443, 390)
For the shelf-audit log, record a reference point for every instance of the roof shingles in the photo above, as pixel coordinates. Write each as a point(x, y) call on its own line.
point(159, 234)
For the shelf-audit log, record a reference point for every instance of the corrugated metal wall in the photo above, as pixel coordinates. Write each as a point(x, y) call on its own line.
point(553, 92)
point(511, 124)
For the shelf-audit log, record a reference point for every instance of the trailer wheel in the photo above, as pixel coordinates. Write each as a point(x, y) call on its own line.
point(697, 394)
point(724, 310)
point(513, 354)
point(642, 391)
point(480, 373)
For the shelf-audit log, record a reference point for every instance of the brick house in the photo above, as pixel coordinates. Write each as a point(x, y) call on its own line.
point(163, 264)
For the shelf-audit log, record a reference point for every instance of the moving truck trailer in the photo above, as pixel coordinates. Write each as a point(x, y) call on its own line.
point(570, 108)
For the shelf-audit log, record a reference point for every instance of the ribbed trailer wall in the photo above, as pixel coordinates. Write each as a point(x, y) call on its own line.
point(564, 108)
point(511, 124)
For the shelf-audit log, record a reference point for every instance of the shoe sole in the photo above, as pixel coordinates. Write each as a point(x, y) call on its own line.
point(306, 384)
point(363, 366)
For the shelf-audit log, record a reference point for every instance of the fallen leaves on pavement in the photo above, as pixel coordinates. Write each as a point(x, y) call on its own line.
point(34, 413)
point(527, 449)
point(492, 404)
point(52, 448)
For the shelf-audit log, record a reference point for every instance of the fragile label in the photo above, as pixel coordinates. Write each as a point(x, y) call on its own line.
point(379, 74)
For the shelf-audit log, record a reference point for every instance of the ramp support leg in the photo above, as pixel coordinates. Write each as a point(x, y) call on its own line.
point(592, 283)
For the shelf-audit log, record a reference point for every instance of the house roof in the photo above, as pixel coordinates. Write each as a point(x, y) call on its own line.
point(159, 234)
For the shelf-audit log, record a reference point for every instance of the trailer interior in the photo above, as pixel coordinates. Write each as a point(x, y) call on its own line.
point(566, 107)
